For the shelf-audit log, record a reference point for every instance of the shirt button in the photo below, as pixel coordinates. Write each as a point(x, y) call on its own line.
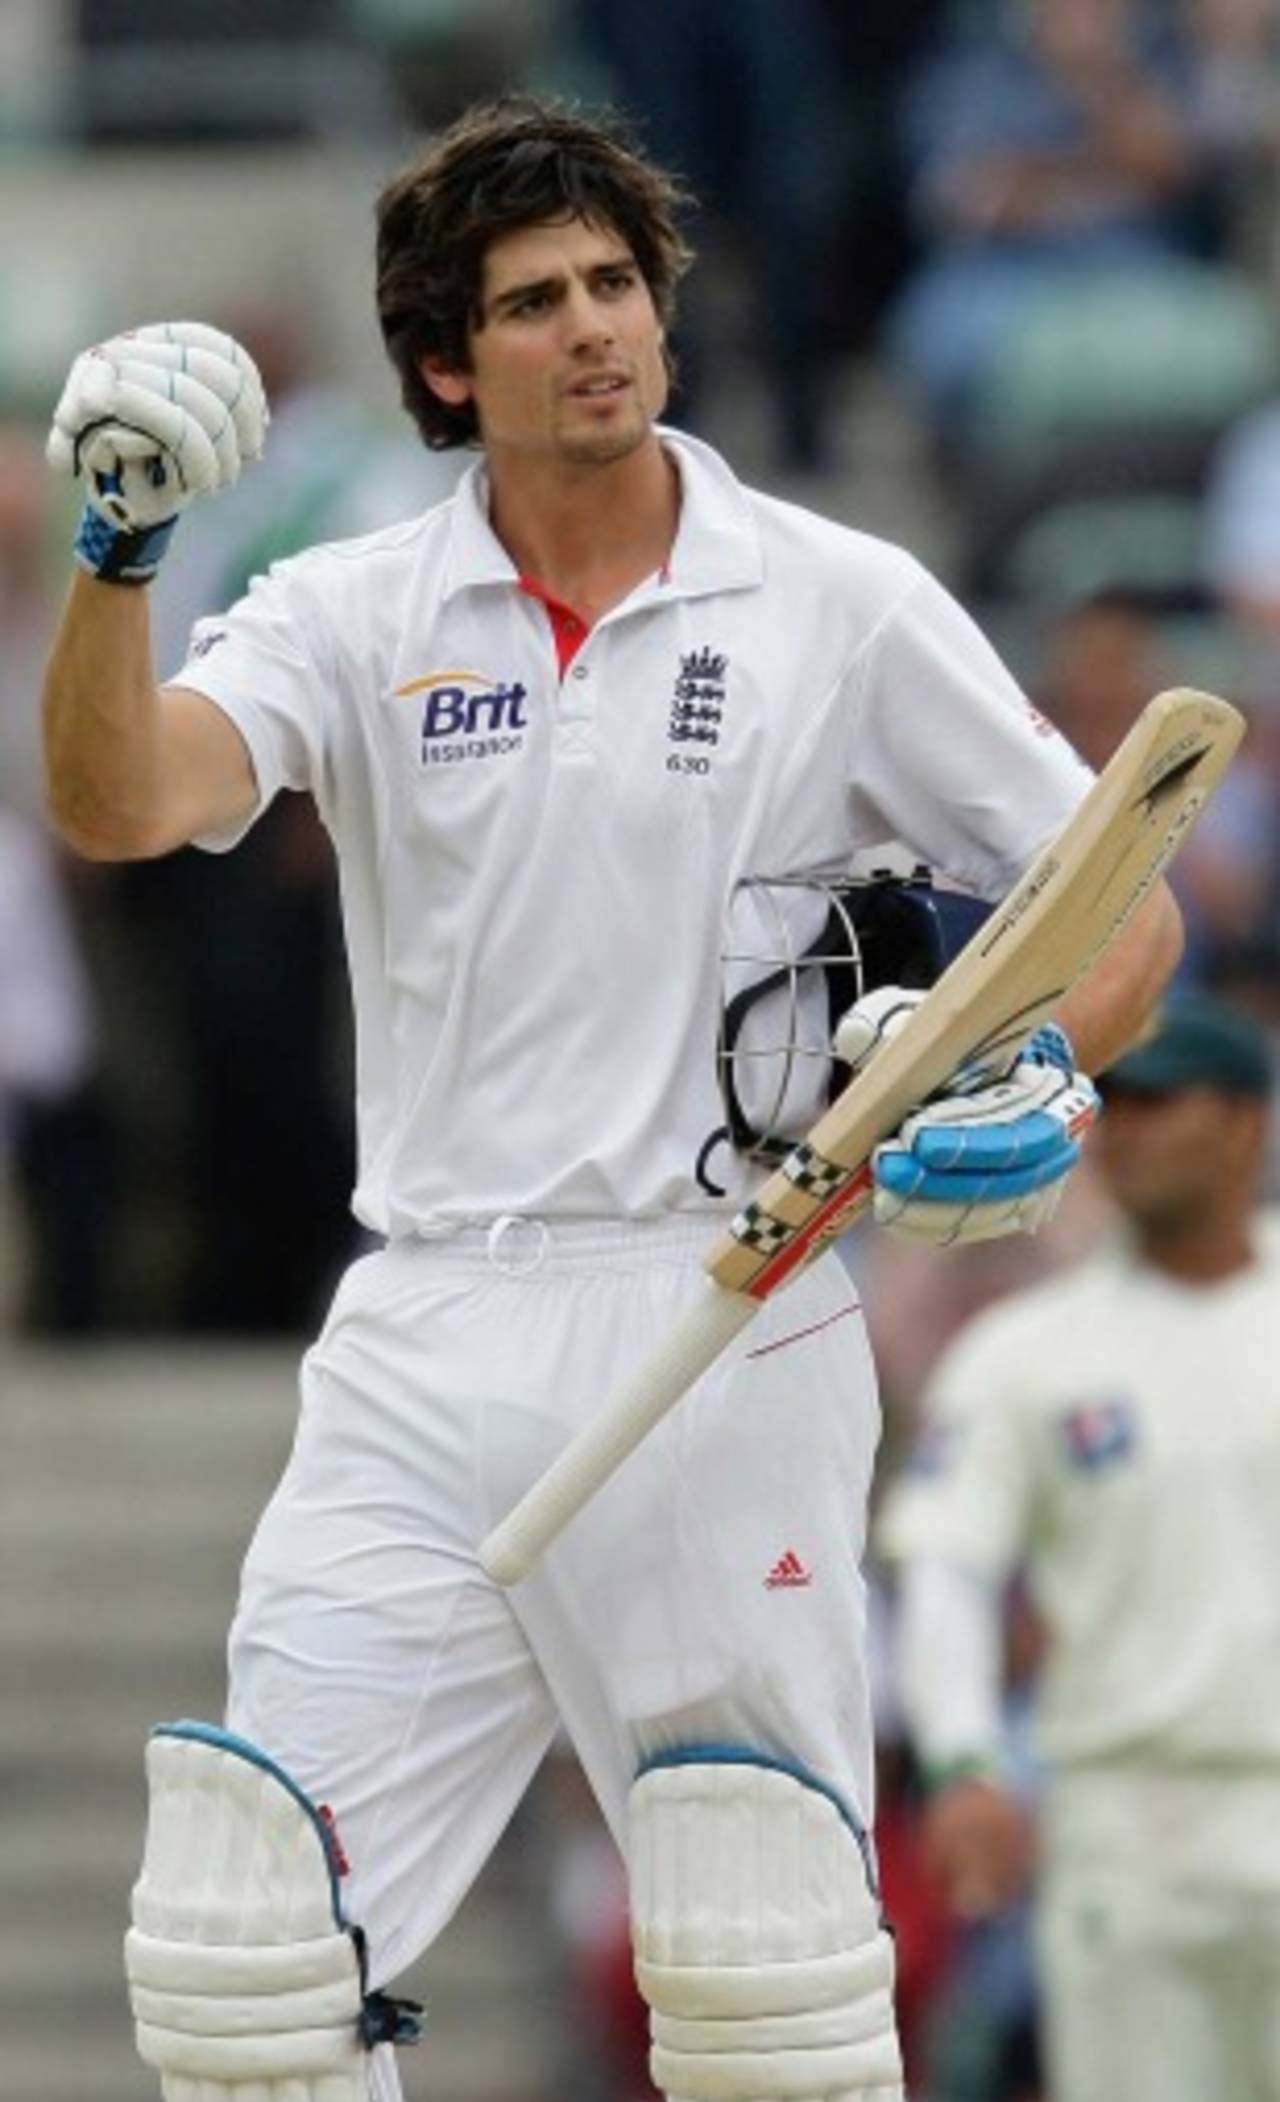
point(580, 672)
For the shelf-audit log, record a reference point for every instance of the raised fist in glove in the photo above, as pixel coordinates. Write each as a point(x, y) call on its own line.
point(152, 419)
point(986, 1155)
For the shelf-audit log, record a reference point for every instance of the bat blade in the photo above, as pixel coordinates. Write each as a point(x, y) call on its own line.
point(1059, 916)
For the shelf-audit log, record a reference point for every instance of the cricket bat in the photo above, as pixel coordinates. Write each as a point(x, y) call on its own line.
point(1062, 912)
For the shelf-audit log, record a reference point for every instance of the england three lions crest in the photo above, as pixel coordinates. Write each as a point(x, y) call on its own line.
point(698, 698)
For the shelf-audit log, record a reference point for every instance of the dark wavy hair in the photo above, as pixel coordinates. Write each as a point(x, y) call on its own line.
point(518, 161)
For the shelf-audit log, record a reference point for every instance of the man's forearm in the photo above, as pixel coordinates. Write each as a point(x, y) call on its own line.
point(147, 421)
point(102, 723)
point(1113, 1003)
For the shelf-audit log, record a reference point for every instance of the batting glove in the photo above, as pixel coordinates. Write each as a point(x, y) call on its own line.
point(152, 419)
point(985, 1157)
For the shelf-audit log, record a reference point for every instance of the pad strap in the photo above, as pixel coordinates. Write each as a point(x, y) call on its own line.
point(117, 555)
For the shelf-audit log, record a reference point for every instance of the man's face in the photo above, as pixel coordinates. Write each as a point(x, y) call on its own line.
point(566, 360)
point(1165, 1158)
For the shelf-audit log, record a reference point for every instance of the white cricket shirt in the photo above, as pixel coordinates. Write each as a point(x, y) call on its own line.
point(534, 868)
point(1117, 1434)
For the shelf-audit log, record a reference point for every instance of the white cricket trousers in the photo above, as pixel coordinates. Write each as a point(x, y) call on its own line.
point(1159, 1935)
point(372, 1657)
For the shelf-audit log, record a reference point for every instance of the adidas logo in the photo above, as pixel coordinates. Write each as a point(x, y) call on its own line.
point(788, 1573)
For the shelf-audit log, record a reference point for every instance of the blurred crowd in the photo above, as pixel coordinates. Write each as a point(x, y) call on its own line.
point(1047, 228)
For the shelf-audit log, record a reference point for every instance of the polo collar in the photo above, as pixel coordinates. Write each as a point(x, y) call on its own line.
point(717, 545)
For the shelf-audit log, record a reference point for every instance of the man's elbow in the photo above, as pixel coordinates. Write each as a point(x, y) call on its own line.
point(97, 833)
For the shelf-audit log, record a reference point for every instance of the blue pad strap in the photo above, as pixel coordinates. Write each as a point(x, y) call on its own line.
point(116, 555)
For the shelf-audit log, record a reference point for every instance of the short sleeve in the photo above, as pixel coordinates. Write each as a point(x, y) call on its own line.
point(267, 663)
point(946, 749)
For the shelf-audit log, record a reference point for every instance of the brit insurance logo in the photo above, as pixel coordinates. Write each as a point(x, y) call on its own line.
point(466, 715)
point(697, 711)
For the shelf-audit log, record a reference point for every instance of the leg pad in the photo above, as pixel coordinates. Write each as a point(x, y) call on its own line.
point(758, 1940)
point(246, 1981)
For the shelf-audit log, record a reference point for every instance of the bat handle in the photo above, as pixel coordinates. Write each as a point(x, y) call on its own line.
point(705, 1330)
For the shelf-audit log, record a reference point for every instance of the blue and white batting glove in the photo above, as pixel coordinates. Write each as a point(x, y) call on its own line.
point(985, 1157)
point(152, 419)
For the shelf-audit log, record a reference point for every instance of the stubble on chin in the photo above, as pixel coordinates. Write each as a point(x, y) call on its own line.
point(604, 448)
point(599, 455)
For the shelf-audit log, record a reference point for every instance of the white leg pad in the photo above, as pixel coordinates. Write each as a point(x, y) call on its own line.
point(758, 1941)
point(244, 1978)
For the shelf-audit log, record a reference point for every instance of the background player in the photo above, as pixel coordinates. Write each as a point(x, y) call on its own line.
point(1115, 1432)
point(488, 705)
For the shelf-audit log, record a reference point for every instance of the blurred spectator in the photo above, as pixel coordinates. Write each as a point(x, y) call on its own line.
point(45, 1035)
point(1242, 564)
point(1103, 659)
point(441, 55)
point(1114, 1433)
point(1234, 49)
point(740, 96)
point(1047, 146)
point(876, 47)
point(1248, 977)
point(1242, 531)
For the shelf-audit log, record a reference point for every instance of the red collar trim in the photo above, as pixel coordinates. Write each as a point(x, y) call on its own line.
point(568, 628)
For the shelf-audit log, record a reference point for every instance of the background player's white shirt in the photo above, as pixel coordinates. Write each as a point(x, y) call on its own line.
point(1117, 1434)
point(534, 868)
